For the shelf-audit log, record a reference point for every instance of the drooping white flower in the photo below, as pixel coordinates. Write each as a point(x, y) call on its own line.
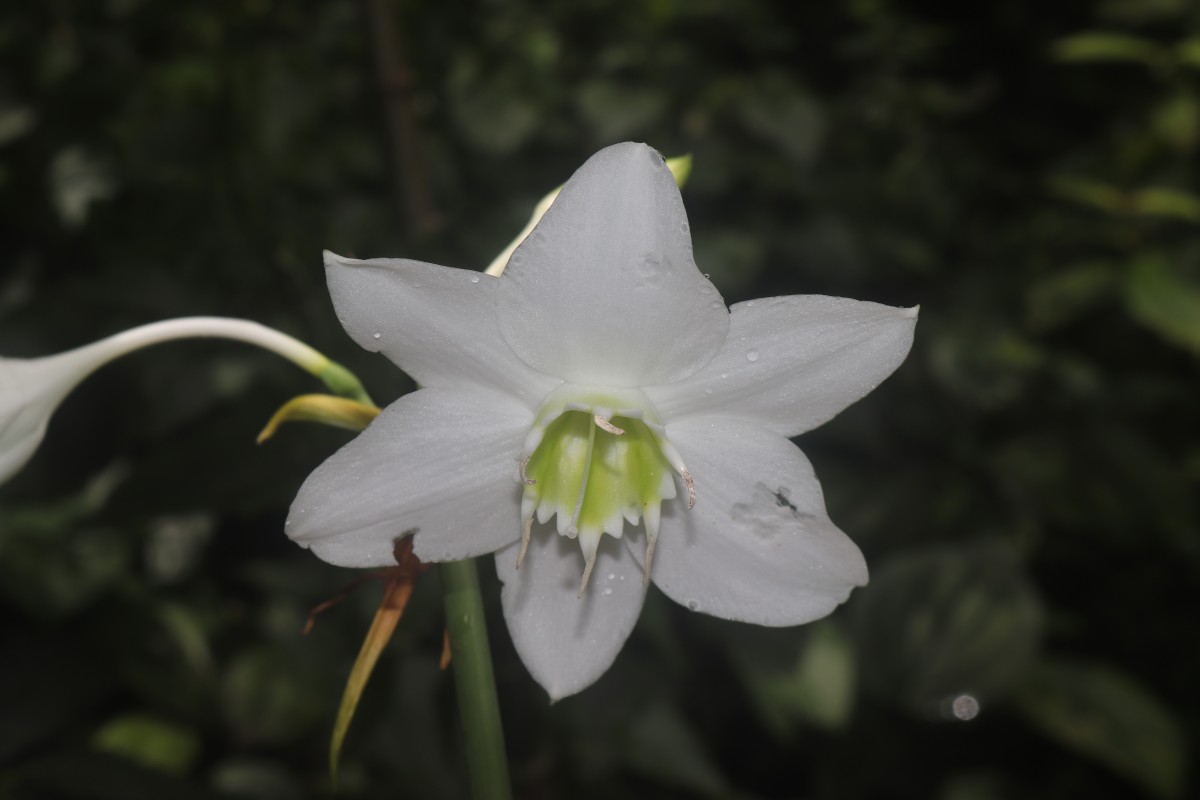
point(596, 416)
point(31, 389)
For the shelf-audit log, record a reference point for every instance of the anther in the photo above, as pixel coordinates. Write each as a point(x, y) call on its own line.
point(606, 425)
point(525, 479)
point(691, 489)
point(526, 531)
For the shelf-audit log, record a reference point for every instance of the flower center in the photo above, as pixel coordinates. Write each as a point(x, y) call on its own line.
point(597, 459)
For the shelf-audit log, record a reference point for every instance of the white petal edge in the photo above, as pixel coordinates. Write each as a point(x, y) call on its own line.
point(759, 546)
point(792, 363)
point(567, 642)
point(604, 291)
point(436, 323)
point(440, 461)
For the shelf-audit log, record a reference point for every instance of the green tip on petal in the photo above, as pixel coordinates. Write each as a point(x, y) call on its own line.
point(681, 168)
point(342, 381)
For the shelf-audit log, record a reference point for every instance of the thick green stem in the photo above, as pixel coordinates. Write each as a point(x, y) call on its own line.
point(471, 658)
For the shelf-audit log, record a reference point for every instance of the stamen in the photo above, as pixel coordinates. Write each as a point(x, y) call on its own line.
point(606, 425)
point(587, 573)
point(526, 532)
point(653, 518)
point(650, 542)
point(525, 479)
point(691, 489)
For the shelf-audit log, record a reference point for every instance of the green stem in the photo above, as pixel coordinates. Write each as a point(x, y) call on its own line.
point(471, 658)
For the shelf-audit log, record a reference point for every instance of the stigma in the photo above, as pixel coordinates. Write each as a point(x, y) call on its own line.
point(595, 460)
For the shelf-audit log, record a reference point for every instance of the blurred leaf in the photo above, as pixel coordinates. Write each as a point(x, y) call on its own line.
point(151, 742)
point(267, 696)
point(1188, 52)
point(1177, 121)
point(77, 180)
point(944, 623)
point(1160, 202)
point(1161, 298)
point(1106, 46)
point(15, 121)
point(815, 686)
point(1101, 713)
point(783, 114)
point(1093, 194)
point(98, 776)
point(662, 746)
point(615, 112)
point(1066, 293)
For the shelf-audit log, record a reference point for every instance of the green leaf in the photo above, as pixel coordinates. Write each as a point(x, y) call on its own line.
point(1161, 298)
point(1104, 46)
point(151, 742)
point(1104, 715)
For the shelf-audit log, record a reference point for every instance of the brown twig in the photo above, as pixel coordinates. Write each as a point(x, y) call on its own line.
point(395, 84)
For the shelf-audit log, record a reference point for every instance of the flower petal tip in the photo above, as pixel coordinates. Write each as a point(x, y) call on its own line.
point(910, 313)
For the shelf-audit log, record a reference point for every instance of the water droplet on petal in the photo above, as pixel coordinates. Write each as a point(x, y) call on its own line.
point(724, 375)
point(752, 355)
point(612, 576)
point(474, 279)
point(376, 335)
point(749, 304)
point(707, 390)
point(607, 592)
point(694, 605)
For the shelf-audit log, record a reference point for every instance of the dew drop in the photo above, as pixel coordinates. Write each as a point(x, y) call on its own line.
point(724, 375)
point(694, 605)
point(749, 304)
point(707, 390)
point(474, 279)
point(752, 355)
point(612, 576)
point(376, 335)
point(706, 275)
point(607, 592)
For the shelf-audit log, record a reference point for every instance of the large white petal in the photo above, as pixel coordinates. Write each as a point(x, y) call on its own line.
point(440, 461)
point(792, 363)
point(605, 291)
point(567, 642)
point(438, 324)
point(759, 546)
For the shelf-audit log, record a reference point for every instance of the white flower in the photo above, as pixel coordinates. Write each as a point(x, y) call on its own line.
point(601, 382)
point(31, 389)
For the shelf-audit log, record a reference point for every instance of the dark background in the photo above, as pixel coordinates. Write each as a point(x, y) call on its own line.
point(1024, 488)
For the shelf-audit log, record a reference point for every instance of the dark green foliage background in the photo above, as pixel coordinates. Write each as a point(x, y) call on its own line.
point(1024, 488)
